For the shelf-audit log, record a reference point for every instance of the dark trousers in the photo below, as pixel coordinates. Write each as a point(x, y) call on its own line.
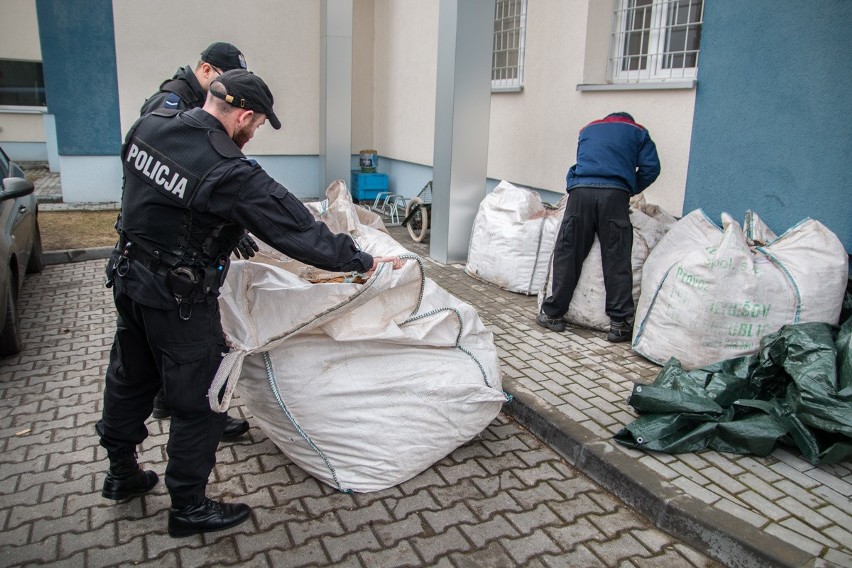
point(594, 211)
point(154, 348)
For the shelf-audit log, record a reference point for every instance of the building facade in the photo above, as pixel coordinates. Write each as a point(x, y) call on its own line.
point(684, 70)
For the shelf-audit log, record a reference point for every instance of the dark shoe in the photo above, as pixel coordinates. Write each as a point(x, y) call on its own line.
point(234, 428)
point(553, 324)
point(207, 516)
point(125, 479)
point(161, 409)
point(619, 331)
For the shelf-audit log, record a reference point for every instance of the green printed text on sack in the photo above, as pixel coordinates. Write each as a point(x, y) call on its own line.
point(745, 309)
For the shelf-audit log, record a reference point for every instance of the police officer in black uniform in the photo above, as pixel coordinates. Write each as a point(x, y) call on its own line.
point(189, 193)
point(188, 90)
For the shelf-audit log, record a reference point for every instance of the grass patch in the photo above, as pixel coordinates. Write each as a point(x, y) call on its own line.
point(64, 230)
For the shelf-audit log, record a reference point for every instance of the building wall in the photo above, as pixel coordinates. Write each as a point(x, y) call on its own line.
point(19, 30)
point(18, 126)
point(406, 50)
point(363, 66)
point(78, 52)
point(533, 133)
point(772, 122)
point(280, 41)
point(78, 49)
point(21, 132)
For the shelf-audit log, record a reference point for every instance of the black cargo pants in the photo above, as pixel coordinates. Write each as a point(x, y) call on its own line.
point(594, 211)
point(154, 348)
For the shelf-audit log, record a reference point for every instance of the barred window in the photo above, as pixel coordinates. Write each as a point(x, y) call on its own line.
point(656, 40)
point(507, 60)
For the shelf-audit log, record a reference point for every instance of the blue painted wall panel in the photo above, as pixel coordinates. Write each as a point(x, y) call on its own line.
point(773, 113)
point(78, 52)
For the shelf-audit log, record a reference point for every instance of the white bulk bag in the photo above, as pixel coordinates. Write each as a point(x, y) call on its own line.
point(710, 294)
point(341, 214)
point(362, 385)
point(512, 239)
point(588, 305)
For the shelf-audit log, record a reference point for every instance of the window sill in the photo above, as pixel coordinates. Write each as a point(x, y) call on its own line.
point(507, 89)
point(14, 109)
point(649, 86)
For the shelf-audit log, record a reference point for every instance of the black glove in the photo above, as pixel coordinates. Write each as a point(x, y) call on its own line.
point(246, 247)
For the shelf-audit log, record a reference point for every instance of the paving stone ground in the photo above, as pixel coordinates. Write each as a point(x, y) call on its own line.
point(503, 499)
point(569, 389)
point(773, 510)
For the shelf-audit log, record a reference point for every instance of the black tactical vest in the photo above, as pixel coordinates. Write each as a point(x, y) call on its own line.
point(166, 159)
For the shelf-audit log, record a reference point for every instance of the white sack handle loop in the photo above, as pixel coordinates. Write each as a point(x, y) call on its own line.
point(227, 377)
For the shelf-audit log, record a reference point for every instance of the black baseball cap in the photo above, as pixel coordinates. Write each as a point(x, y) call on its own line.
point(223, 55)
point(247, 90)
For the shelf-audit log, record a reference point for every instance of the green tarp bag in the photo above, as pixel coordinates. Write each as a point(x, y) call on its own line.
point(796, 390)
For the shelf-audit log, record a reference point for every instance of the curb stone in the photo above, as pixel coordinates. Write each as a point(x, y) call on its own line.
point(720, 534)
point(75, 255)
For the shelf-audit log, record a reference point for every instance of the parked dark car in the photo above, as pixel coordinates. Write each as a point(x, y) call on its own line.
point(20, 248)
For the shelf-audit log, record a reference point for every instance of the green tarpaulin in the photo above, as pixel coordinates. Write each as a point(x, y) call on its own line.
point(797, 389)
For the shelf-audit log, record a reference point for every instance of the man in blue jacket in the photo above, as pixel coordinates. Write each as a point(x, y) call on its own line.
point(616, 159)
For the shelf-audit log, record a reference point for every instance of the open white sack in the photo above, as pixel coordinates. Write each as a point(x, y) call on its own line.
point(588, 305)
point(512, 238)
point(362, 385)
point(710, 293)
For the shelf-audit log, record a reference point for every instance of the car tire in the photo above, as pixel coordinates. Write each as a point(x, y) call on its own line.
point(36, 262)
point(10, 338)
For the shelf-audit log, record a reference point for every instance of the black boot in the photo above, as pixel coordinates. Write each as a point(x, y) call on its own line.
point(207, 516)
point(553, 324)
point(161, 408)
point(125, 479)
point(619, 331)
point(234, 428)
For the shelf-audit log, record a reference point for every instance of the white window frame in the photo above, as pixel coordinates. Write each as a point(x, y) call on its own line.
point(508, 77)
point(652, 55)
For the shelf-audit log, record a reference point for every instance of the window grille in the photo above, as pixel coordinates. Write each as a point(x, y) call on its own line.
point(656, 40)
point(507, 60)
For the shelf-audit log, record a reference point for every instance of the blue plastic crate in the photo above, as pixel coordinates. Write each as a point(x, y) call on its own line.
point(365, 187)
